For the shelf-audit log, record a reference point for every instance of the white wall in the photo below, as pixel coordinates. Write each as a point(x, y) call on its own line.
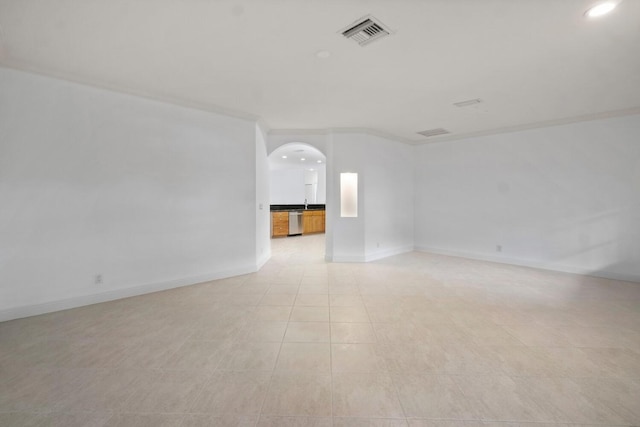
point(287, 186)
point(263, 216)
point(564, 198)
point(389, 204)
point(149, 195)
point(385, 221)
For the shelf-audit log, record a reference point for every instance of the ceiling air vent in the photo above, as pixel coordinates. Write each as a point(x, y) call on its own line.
point(434, 132)
point(366, 30)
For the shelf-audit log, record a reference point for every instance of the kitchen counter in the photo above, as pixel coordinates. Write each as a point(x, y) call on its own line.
point(286, 208)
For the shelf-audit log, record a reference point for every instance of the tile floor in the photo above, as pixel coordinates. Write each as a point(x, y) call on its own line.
point(412, 340)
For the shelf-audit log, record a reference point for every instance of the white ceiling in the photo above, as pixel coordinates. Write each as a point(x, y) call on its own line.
point(531, 61)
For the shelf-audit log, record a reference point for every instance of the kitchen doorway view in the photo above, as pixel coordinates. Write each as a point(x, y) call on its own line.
point(298, 197)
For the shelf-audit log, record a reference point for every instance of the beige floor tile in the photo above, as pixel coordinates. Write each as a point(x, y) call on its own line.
point(526, 361)
point(344, 289)
point(309, 314)
point(317, 288)
point(148, 354)
point(264, 332)
point(167, 392)
point(304, 357)
point(349, 314)
point(463, 423)
point(433, 396)
point(23, 419)
point(562, 400)
point(356, 358)
point(278, 299)
point(574, 362)
point(397, 332)
point(57, 419)
point(283, 289)
point(272, 313)
point(270, 421)
point(233, 393)
point(145, 420)
point(40, 389)
point(490, 335)
point(249, 300)
point(537, 335)
point(365, 395)
point(250, 356)
point(499, 398)
point(307, 332)
point(624, 363)
point(619, 394)
point(299, 395)
point(106, 390)
point(525, 348)
point(320, 279)
point(346, 300)
point(205, 420)
point(464, 358)
point(313, 300)
point(53, 419)
point(352, 333)
point(369, 422)
point(218, 330)
point(192, 355)
point(40, 353)
point(411, 358)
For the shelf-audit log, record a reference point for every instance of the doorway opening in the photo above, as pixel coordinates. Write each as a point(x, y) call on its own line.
point(298, 176)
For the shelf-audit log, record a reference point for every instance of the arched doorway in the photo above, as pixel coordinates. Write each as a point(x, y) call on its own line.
point(298, 190)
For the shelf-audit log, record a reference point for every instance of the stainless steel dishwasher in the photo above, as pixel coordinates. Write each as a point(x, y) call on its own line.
point(295, 223)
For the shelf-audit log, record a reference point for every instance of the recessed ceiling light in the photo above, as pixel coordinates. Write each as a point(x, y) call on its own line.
point(284, 157)
point(323, 54)
point(311, 169)
point(302, 159)
point(601, 9)
point(319, 161)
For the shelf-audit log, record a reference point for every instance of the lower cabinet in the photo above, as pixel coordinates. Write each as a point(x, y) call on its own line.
point(313, 222)
point(279, 224)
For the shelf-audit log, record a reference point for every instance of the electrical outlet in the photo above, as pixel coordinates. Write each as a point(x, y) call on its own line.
point(498, 248)
point(98, 279)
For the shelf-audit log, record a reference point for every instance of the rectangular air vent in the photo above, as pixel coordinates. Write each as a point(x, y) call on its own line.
point(434, 132)
point(366, 30)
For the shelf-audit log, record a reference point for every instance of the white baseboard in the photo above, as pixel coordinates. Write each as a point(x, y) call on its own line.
point(348, 258)
point(371, 256)
point(528, 263)
point(379, 254)
point(263, 260)
point(114, 294)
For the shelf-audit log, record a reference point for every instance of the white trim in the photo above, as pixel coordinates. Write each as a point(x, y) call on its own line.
point(531, 126)
point(348, 258)
point(379, 254)
point(143, 94)
point(263, 260)
point(532, 264)
point(371, 256)
point(82, 300)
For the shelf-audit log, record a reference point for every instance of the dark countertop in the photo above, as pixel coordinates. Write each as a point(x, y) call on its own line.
point(276, 208)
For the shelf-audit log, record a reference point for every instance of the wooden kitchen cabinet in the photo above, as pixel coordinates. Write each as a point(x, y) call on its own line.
point(279, 224)
point(313, 222)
